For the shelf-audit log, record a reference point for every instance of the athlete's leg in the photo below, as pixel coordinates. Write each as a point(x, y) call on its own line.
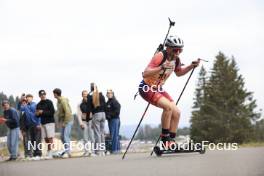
point(161, 100)
point(174, 120)
point(167, 107)
point(175, 116)
point(165, 104)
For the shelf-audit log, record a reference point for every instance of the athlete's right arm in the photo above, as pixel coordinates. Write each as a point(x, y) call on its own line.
point(154, 66)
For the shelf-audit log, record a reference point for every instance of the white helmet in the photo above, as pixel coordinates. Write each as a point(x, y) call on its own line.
point(174, 41)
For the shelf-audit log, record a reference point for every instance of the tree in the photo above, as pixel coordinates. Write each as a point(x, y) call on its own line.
point(224, 111)
point(196, 126)
point(259, 130)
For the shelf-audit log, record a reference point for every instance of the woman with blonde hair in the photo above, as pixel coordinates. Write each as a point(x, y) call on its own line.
point(96, 106)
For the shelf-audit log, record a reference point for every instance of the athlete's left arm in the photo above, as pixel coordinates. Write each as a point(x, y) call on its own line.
point(180, 71)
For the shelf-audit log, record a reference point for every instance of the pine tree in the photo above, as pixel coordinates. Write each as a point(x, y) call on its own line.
point(196, 128)
point(226, 109)
point(259, 130)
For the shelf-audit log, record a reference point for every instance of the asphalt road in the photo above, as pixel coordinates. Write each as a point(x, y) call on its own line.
point(243, 162)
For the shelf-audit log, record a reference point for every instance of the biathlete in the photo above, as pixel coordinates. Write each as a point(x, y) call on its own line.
point(155, 75)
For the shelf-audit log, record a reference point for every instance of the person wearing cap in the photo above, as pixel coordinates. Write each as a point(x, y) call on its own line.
point(65, 118)
point(31, 130)
point(11, 119)
point(45, 111)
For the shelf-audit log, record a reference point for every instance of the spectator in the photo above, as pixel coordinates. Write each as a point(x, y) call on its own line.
point(64, 114)
point(45, 111)
point(11, 119)
point(31, 129)
point(112, 115)
point(85, 122)
point(96, 105)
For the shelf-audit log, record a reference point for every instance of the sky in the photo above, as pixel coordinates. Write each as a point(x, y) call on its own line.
point(69, 44)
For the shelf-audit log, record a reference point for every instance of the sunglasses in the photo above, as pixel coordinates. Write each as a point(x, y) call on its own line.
point(177, 50)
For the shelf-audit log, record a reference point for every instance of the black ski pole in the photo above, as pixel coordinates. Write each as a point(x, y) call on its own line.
point(161, 46)
point(176, 104)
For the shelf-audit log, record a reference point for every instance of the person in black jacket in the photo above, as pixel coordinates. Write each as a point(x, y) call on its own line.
point(96, 106)
point(45, 111)
point(112, 115)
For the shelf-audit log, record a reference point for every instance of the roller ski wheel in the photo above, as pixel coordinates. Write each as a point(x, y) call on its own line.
point(157, 151)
